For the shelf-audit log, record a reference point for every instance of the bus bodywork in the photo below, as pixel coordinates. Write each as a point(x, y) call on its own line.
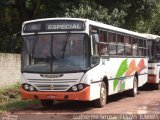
point(154, 59)
point(63, 60)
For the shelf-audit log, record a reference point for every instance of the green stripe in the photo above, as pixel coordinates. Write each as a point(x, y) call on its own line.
point(122, 69)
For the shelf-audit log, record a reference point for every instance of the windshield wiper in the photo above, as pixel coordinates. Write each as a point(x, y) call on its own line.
point(65, 44)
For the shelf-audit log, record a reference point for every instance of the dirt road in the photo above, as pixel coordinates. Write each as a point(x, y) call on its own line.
point(146, 102)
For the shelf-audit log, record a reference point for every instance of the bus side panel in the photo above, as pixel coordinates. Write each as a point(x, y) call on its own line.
point(129, 83)
point(142, 71)
point(154, 73)
point(141, 78)
point(93, 77)
point(120, 73)
point(95, 91)
point(151, 72)
point(110, 88)
point(158, 73)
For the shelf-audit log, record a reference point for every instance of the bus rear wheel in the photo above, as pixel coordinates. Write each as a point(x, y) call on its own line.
point(47, 103)
point(101, 102)
point(157, 86)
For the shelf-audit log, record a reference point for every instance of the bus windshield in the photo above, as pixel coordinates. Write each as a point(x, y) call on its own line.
point(55, 53)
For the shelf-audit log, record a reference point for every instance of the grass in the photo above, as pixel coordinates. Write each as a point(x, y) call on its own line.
point(10, 99)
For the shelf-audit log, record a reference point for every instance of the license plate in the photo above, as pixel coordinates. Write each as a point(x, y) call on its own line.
point(51, 96)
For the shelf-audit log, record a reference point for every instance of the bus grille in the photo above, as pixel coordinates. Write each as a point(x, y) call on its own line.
point(52, 84)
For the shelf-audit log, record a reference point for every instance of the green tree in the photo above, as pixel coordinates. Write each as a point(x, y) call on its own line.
point(154, 27)
point(89, 9)
point(136, 15)
point(139, 14)
point(9, 24)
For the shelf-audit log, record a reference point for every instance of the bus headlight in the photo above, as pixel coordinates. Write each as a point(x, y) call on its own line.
point(80, 86)
point(77, 87)
point(74, 88)
point(31, 88)
point(26, 87)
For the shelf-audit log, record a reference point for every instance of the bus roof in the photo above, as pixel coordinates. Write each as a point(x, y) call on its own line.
point(151, 36)
point(94, 23)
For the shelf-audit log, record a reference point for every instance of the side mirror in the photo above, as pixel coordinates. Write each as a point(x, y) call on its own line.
point(95, 38)
point(13, 42)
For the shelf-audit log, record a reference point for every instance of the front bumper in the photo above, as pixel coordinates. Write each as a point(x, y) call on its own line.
point(83, 95)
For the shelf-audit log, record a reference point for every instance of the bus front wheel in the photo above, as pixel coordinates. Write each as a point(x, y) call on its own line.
point(47, 103)
point(101, 102)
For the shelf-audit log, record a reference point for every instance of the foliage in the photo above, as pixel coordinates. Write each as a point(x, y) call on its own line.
point(136, 15)
point(10, 99)
point(140, 14)
point(155, 21)
point(90, 10)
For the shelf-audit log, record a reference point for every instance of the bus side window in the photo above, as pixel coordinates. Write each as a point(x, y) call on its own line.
point(140, 47)
point(103, 43)
point(128, 49)
point(152, 49)
point(158, 50)
point(134, 47)
point(94, 47)
point(112, 44)
point(145, 47)
point(150, 44)
point(103, 36)
point(120, 41)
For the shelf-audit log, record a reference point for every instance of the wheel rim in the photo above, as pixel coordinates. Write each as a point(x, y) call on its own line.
point(103, 95)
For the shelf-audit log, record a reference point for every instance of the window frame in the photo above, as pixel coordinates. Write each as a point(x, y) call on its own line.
point(114, 42)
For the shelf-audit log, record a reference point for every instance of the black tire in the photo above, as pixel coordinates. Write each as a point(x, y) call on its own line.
point(101, 102)
point(47, 103)
point(133, 92)
point(157, 86)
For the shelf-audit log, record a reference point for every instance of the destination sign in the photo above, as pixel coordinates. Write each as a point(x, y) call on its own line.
point(65, 26)
point(32, 27)
point(54, 25)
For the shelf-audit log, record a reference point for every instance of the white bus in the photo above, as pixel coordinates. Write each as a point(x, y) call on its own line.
point(154, 60)
point(79, 59)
